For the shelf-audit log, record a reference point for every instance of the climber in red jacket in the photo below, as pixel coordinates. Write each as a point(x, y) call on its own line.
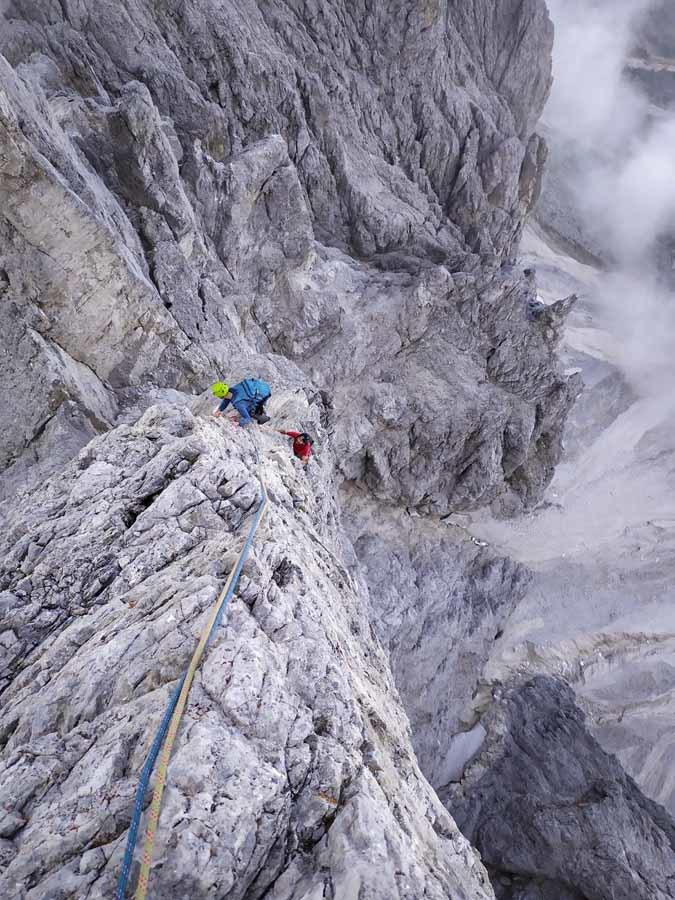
point(302, 444)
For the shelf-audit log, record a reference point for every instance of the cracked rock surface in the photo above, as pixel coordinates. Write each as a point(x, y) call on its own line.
point(329, 195)
point(553, 815)
point(438, 603)
point(185, 187)
point(294, 759)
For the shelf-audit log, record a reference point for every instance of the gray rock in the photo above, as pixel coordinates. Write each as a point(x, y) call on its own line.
point(455, 399)
point(438, 602)
point(79, 316)
point(599, 611)
point(219, 234)
point(655, 30)
point(598, 406)
point(552, 814)
point(557, 211)
point(328, 195)
point(293, 773)
point(441, 124)
point(361, 138)
point(203, 160)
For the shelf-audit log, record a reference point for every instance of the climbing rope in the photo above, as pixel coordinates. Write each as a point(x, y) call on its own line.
point(168, 729)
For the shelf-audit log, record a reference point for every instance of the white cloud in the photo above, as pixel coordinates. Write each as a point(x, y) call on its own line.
point(626, 185)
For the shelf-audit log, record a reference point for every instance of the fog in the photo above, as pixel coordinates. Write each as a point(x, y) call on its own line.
point(599, 608)
point(590, 100)
point(625, 190)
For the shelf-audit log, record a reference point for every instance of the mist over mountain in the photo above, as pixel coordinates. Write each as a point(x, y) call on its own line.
point(439, 232)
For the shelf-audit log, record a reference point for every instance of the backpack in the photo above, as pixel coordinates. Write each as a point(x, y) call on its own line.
point(256, 390)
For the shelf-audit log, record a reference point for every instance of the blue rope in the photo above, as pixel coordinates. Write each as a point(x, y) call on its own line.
point(149, 765)
point(141, 790)
point(239, 567)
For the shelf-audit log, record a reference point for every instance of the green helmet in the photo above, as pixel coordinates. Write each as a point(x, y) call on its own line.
point(220, 389)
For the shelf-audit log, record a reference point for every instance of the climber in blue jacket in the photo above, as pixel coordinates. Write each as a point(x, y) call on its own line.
point(248, 397)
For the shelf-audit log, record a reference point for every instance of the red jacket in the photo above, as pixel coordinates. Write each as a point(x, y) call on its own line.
point(302, 451)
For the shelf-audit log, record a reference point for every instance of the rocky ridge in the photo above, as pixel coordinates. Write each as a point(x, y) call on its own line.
point(252, 203)
point(294, 759)
point(329, 195)
point(553, 814)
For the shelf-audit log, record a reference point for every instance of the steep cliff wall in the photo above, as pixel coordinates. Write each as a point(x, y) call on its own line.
point(553, 814)
point(293, 775)
point(329, 195)
point(312, 181)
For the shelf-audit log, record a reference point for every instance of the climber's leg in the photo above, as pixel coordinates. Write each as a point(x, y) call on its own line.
point(259, 413)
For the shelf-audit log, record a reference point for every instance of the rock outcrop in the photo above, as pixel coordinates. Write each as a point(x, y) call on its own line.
point(453, 401)
point(293, 776)
point(329, 195)
point(418, 136)
point(553, 815)
point(598, 611)
point(438, 602)
point(287, 180)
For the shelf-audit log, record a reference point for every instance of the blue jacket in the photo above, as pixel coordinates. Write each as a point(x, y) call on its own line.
point(246, 395)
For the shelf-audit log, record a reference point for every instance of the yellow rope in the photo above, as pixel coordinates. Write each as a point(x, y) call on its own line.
point(160, 782)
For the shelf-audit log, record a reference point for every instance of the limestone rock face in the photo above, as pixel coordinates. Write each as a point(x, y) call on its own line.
point(331, 183)
point(438, 602)
point(395, 116)
point(294, 759)
point(553, 814)
point(328, 195)
point(80, 317)
point(454, 400)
